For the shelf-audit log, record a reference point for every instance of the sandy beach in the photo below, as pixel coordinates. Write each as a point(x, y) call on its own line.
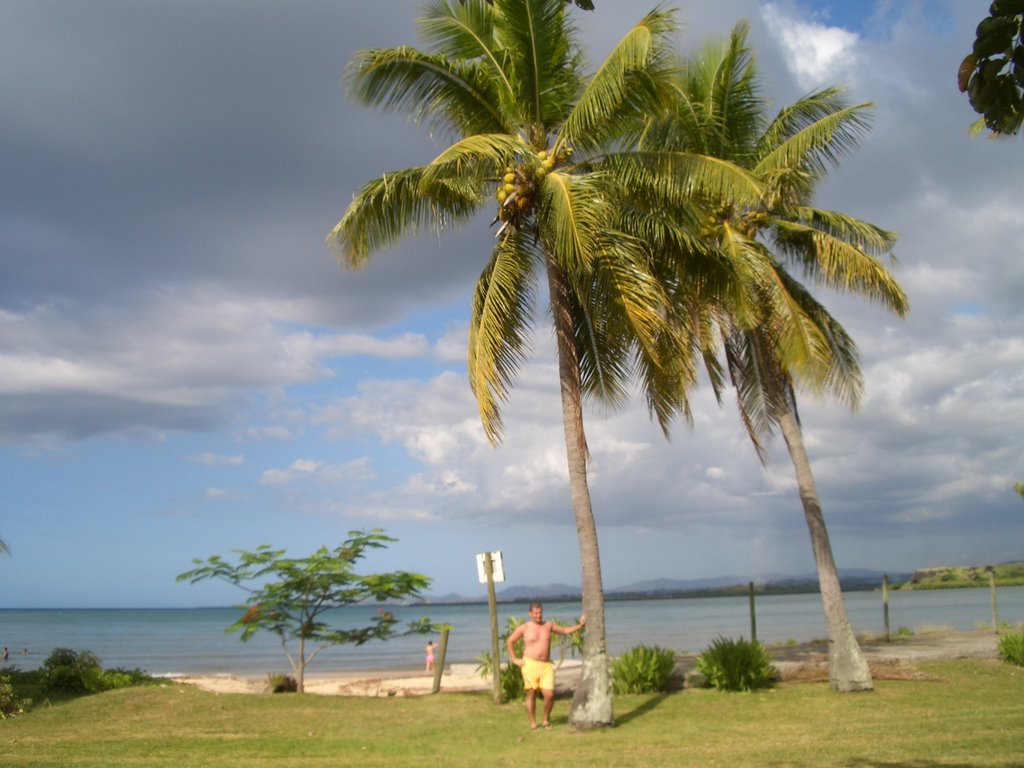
point(805, 662)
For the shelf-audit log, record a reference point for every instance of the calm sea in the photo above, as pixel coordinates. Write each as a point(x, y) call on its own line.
point(193, 640)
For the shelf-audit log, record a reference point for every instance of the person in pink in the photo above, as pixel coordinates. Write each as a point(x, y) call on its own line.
point(538, 671)
point(430, 655)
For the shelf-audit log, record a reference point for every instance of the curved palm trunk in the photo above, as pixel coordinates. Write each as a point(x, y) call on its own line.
point(592, 702)
point(847, 667)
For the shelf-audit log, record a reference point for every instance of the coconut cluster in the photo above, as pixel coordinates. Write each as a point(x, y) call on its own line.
point(517, 189)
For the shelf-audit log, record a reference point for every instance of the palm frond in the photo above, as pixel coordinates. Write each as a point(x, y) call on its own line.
point(837, 250)
point(479, 156)
point(677, 178)
point(813, 135)
point(393, 206)
point(757, 380)
point(571, 214)
point(589, 125)
point(603, 347)
point(840, 374)
point(500, 320)
point(542, 58)
point(454, 96)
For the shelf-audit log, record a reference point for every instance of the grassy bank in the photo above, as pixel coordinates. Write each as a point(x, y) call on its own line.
point(969, 713)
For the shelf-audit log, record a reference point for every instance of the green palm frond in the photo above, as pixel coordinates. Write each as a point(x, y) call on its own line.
point(456, 97)
point(759, 384)
point(393, 206)
point(542, 59)
point(812, 136)
point(467, 31)
point(589, 125)
point(603, 347)
point(840, 375)
point(571, 214)
point(837, 250)
point(478, 157)
point(677, 178)
point(500, 320)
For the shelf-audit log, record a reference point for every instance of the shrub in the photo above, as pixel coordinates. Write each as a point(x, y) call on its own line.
point(1011, 648)
point(112, 679)
point(510, 678)
point(10, 704)
point(68, 671)
point(643, 670)
point(736, 665)
point(278, 682)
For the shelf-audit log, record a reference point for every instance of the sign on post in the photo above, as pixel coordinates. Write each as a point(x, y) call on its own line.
point(497, 567)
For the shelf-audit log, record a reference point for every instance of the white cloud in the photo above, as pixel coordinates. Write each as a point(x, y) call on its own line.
point(816, 54)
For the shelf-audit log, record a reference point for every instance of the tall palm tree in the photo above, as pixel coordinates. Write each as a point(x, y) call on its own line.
point(540, 139)
point(779, 336)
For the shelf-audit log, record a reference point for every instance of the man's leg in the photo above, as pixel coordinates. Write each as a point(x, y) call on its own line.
point(549, 702)
point(531, 707)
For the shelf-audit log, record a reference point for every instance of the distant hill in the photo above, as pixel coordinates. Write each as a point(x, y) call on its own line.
point(851, 580)
point(957, 576)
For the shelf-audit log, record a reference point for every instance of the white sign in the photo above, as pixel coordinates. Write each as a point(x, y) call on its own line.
point(497, 567)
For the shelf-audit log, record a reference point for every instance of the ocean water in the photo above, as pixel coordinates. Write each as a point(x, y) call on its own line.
point(193, 640)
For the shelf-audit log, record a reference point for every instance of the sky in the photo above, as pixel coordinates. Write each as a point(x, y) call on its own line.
point(185, 369)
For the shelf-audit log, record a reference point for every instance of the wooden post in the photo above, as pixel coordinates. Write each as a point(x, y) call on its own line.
point(753, 615)
point(492, 604)
point(885, 606)
point(995, 608)
point(439, 661)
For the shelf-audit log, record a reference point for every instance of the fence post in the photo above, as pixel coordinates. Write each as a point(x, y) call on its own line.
point(753, 615)
point(439, 664)
point(885, 606)
point(995, 608)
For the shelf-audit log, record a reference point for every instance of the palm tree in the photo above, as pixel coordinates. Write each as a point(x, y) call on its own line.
point(506, 81)
point(778, 335)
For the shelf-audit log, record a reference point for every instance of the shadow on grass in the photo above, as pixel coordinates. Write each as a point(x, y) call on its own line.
point(862, 763)
point(642, 710)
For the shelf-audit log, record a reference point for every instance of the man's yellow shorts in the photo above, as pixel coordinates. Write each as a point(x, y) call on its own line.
point(538, 675)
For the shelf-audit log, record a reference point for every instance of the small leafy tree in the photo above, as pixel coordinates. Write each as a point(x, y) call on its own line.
point(1019, 488)
point(291, 596)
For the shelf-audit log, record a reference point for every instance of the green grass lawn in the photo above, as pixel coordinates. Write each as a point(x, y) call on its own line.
point(970, 713)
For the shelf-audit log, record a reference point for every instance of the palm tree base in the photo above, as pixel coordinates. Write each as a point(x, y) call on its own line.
point(592, 702)
point(848, 670)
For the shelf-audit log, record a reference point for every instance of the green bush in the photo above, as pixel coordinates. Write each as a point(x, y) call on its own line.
point(510, 677)
point(11, 705)
point(68, 671)
point(73, 672)
point(643, 670)
point(736, 665)
point(1011, 648)
point(278, 682)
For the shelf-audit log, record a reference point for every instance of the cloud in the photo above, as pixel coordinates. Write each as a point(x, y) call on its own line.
point(817, 54)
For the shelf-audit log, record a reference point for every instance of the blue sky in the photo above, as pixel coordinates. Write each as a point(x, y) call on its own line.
point(185, 370)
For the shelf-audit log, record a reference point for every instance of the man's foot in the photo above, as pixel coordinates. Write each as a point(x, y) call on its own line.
point(545, 725)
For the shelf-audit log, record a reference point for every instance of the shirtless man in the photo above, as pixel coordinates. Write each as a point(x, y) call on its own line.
point(538, 671)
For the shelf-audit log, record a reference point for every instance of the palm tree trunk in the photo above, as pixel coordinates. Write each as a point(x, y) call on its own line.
point(847, 668)
point(592, 702)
